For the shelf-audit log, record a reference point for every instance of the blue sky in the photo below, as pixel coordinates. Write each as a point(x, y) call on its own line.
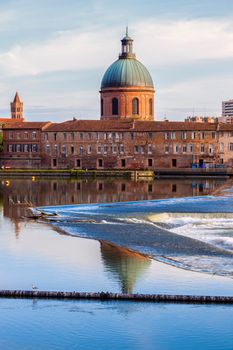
point(56, 52)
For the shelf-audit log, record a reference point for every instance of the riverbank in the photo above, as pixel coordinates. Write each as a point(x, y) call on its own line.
point(129, 174)
point(121, 173)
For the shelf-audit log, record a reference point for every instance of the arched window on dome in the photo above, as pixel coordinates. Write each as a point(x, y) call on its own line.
point(102, 107)
point(114, 106)
point(150, 107)
point(135, 105)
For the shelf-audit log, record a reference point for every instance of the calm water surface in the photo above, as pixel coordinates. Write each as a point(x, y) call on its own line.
point(113, 325)
point(33, 252)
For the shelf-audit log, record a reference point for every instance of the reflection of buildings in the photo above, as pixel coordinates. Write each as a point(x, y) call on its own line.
point(65, 191)
point(125, 266)
point(1, 200)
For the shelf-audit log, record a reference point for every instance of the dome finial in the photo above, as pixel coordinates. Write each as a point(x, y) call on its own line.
point(127, 31)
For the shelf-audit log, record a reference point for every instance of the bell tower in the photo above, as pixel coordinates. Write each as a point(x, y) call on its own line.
point(17, 108)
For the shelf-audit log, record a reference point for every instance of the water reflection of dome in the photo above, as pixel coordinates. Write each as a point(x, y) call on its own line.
point(125, 266)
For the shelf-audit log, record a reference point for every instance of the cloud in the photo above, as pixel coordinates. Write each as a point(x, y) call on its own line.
point(67, 51)
point(157, 43)
point(177, 42)
point(6, 18)
point(198, 96)
point(160, 45)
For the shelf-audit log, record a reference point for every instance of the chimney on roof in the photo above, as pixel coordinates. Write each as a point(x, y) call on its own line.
point(17, 108)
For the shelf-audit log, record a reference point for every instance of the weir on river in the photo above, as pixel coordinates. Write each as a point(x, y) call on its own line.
point(162, 298)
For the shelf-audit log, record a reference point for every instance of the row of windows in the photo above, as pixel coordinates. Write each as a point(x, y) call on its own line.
point(14, 110)
point(184, 135)
point(173, 135)
point(114, 149)
point(229, 134)
point(18, 116)
point(89, 149)
point(23, 135)
point(135, 106)
point(141, 149)
point(100, 163)
point(188, 148)
point(115, 136)
point(22, 148)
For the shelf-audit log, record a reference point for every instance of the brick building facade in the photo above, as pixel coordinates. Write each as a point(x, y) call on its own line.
point(125, 137)
point(93, 144)
point(22, 145)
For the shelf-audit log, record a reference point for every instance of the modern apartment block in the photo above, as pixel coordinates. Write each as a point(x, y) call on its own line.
point(227, 108)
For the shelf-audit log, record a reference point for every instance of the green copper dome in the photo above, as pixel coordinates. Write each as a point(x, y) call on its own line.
point(127, 70)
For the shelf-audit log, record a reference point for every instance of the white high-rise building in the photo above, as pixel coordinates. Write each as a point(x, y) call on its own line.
point(227, 108)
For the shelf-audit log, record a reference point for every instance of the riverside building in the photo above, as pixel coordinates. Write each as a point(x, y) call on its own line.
point(126, 135)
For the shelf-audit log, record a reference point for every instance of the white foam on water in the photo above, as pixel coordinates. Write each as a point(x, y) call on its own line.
point(213, 228)
point(106, 222)
point(209, 264)
point(133, 220)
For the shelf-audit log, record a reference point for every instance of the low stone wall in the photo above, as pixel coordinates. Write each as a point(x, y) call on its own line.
point(77, 173)
point(162, 298)
point(133, 174)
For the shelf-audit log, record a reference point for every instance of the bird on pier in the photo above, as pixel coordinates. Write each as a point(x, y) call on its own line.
point(34, 287)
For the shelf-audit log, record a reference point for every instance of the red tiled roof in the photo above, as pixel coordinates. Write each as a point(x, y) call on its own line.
point(116, 125)
point(10, 120)
point(225, 127)
point(26, 125)
point(90, 125)
point(174, 126)
point(124, 125)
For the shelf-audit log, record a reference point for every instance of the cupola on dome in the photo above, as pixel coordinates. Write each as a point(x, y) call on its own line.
point(127, 71)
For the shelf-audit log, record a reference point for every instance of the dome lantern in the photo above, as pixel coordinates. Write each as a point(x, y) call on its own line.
point(127, 47)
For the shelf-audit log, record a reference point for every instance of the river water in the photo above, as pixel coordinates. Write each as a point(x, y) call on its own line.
point(182, 229)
